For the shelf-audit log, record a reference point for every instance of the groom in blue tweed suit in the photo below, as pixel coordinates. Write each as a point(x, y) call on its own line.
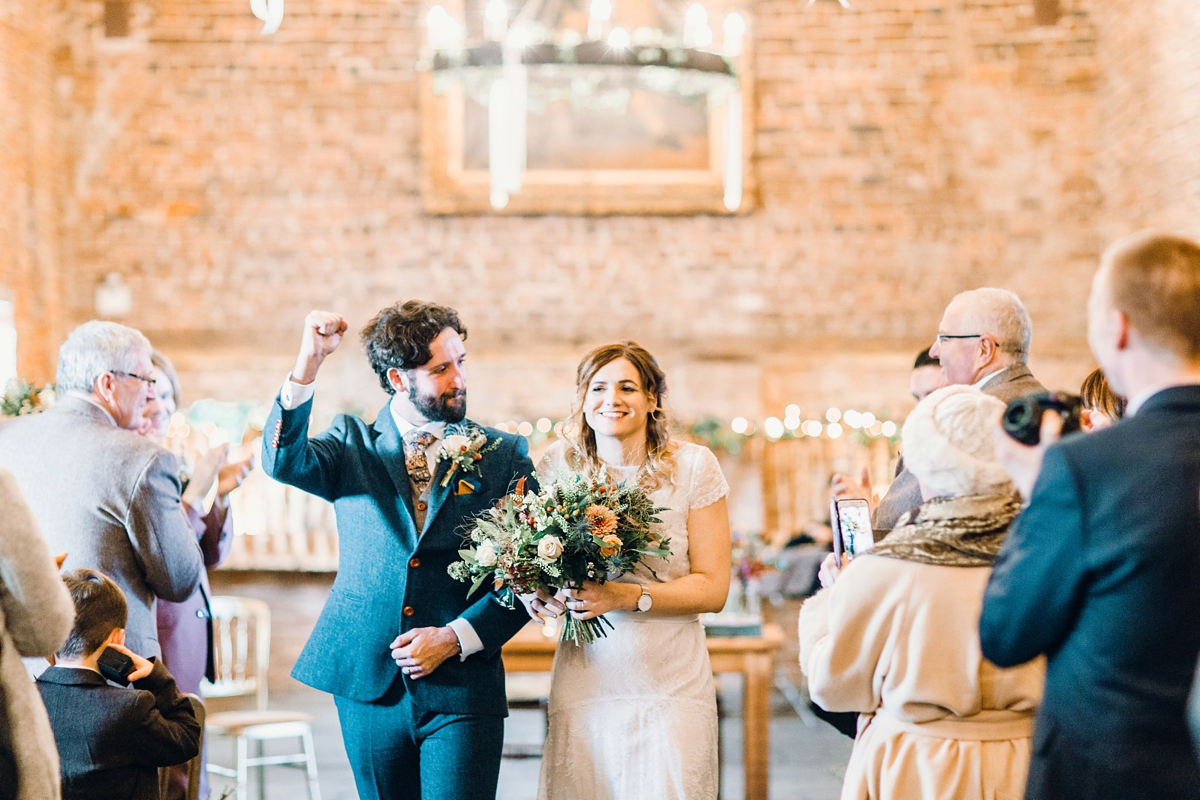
point(413, 664)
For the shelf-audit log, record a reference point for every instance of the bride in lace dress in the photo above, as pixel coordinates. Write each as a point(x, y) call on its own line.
point(633, 716)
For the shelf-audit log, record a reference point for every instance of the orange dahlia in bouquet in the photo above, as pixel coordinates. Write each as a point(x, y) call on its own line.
point(579, 528)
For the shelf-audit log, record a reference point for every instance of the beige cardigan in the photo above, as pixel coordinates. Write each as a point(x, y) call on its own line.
point(898, 641)
point(36, 614)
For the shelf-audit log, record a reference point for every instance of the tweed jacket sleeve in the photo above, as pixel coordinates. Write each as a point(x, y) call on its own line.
point(1036, 590)
point(37, 609)
point(160, 533)
point(290, 456)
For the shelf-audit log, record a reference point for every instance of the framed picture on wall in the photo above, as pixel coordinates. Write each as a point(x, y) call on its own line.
point(587, 128)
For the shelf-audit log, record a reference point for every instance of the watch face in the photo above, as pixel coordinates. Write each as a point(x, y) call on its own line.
point(644, 603)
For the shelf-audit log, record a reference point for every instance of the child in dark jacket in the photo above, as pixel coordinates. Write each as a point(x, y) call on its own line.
point(112, 740)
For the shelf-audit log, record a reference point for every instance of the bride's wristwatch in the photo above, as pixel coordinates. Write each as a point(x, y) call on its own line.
point(645, 601)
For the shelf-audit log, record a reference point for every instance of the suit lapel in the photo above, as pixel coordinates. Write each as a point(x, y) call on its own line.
point(390, 449)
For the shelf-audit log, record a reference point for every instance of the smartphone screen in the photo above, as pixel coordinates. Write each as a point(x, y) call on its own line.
point(854, 525)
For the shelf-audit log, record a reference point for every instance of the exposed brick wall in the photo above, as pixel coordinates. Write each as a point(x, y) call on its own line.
point(905, 151)
point(1151, 106)
point(30, 180)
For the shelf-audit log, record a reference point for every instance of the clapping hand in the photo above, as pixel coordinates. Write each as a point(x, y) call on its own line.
point(323, 331)
point(230, 476)
point(1022, 462)
point(203, 474)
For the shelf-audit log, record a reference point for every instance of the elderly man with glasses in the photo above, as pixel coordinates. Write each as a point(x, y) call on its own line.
point(983, 341)
point(107, 496)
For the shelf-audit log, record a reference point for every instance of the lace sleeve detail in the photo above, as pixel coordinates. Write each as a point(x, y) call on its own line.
point(553, 466)
point(708, 483)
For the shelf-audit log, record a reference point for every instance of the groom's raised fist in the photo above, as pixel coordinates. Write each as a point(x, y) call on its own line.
point(323, 331)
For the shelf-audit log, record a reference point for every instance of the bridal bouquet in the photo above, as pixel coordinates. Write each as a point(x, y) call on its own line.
point(577, 529)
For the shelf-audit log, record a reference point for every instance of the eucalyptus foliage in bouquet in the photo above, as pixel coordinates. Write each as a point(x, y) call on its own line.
point(579, 528)
point(22, 398)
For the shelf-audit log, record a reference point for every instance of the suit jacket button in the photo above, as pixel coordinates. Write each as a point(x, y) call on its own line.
point(421, 506)
point(414, 562)
point(409, 611)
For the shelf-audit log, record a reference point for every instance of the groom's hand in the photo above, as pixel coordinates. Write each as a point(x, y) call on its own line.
point(422, 650)
point(323, 331)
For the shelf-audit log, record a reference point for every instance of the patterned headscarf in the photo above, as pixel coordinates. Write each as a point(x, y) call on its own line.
point(953, 531)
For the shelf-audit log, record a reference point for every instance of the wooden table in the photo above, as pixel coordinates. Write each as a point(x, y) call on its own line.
point(530, 651)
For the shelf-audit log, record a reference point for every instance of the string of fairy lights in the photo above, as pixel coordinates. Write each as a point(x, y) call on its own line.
point(833, 424)
point(836, 423)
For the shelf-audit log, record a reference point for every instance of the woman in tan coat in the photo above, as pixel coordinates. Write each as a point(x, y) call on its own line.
point(896, 636)
point(36, 614)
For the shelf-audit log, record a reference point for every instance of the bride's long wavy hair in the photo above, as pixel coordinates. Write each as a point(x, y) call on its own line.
point(658, 466)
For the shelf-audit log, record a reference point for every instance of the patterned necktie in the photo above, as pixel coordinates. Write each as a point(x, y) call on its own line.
point(415, 460)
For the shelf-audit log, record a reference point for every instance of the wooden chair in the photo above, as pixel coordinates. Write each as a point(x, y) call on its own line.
point(195, 765)
point(242, 645)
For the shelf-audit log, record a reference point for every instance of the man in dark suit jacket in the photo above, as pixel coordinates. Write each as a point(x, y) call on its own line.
point(112, 740)
point(983, 341)
point(413, 663)
point(1101, 572)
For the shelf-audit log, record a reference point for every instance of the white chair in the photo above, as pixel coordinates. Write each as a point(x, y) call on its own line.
point(242, 645)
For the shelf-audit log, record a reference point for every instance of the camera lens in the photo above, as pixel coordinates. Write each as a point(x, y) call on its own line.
point(1023, 420)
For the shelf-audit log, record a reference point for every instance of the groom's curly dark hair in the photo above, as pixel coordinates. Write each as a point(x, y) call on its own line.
point(399, 336)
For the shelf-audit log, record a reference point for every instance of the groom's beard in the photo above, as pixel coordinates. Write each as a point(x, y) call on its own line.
point(448, 407)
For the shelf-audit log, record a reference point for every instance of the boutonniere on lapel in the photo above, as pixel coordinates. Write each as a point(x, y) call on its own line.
point(464, 447)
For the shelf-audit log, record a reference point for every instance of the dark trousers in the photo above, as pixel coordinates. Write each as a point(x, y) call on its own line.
point(400, 752)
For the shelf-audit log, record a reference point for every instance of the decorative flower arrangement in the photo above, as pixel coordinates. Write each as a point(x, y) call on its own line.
point(22, 398)
point(464, 446)
point(577, 529)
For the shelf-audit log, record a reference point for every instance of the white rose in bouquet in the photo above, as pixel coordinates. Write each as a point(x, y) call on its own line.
point(485, 554)
point(550, 548)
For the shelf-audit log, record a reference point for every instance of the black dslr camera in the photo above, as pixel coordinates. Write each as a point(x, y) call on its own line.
point(1023, 417)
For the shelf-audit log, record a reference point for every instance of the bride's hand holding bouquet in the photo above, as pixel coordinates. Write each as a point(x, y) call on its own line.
point(579, 534)
point(597, 599)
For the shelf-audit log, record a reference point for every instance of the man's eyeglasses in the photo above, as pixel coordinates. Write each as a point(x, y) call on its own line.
point(144, 379)
point(944, 337)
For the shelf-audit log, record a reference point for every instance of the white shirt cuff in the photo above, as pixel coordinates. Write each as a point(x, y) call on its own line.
point(293, 395)
point(468, 639)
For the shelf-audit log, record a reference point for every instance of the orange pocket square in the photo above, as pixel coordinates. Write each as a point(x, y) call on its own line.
point(464, 487)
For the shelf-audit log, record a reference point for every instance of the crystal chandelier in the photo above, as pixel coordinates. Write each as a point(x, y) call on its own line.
point(492, 47)
point(270, 12)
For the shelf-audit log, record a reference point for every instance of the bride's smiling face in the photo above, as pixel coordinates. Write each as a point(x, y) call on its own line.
point(616, 405)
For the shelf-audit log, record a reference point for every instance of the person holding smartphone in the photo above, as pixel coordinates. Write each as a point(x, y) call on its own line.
point(112, 739)
point(894, 635)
